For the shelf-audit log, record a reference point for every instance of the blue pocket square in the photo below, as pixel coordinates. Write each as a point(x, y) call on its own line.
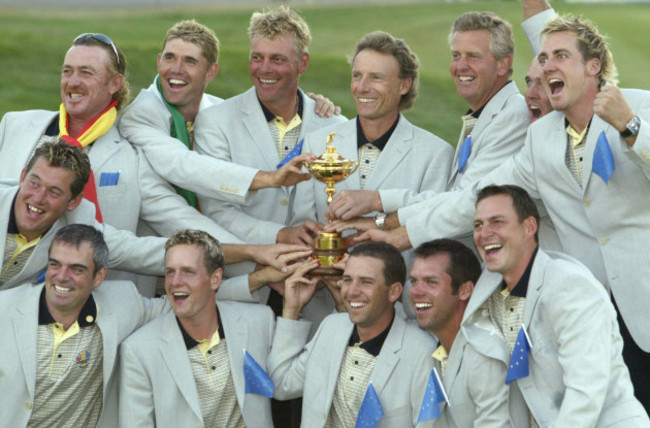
point(109, 179)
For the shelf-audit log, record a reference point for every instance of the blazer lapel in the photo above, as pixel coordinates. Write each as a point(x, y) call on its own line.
point(397, 147)
point(100, 153)
point(535, 283)
point(25, 329)
point(346, 144)
point(236, 332)
point(332, 367)
point(388, 358)
point(108, 325)
point(258, 128)
point(597, 126)
point(454, 362)
point(174, 354)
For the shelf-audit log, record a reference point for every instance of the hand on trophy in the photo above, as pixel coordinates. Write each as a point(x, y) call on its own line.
point(300, 235)
point(349, 204)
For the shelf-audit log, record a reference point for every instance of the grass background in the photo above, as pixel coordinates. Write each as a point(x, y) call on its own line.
point(33, 44)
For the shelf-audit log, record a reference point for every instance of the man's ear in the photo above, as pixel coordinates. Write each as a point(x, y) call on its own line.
point(465, 290)
point(303, 63)
point(74, 202)
point(99, 277)
point(215, 279)
point(395, 291)
point(504, 65)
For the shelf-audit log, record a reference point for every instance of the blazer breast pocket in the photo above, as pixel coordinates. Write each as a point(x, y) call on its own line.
point(112, 183)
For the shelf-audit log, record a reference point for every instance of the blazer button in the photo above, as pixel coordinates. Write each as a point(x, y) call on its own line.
point(28, 405)
point(284, 201)
point(602, 241)
point(586, 203)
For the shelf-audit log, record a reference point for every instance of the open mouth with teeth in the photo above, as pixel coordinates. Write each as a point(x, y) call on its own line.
point(357, 305)
point(176, 83)
point(61, 289)
point(180, 296)
point(267, 81)
point(75, 96)
point(491, 248)
point(465, 79)
point(33, 211)
point(422, 306)
point(534, 112)
point(555, 85)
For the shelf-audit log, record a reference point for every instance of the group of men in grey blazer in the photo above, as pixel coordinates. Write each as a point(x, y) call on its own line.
point(611, 161)
point(236, 141)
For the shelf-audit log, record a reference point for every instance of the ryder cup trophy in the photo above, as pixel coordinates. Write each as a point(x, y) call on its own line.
point(330, 168)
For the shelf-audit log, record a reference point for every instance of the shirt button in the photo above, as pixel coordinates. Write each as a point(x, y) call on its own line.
point(213, 368)
point(367, 160)
point(284, 201)
point(351, 377)
point(363, 176)
point(210, 352)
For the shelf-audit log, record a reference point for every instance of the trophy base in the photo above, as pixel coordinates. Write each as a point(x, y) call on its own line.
point(329, 250)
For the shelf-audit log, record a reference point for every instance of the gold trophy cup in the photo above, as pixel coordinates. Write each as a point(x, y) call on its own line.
point(330, 168)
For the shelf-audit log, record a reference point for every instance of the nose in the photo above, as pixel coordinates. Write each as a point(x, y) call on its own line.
point(39, 194)
point(62, 274)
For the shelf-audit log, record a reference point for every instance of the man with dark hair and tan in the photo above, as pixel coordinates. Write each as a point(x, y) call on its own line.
point(443, 277)
point(369, 348)
point(59, 350)
point(554, 303)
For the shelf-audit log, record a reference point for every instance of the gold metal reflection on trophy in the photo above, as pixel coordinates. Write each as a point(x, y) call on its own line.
point(330, 168)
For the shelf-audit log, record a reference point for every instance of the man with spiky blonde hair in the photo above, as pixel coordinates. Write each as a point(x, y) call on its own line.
point(261, 127)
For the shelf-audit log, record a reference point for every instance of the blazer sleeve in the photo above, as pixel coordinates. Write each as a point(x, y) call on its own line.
point(145, 123)
point(533, 27)
point(136, 390)
point(451, 214)
point(213, 143)
point(288, 358)
point(583, 321)
point(166, 211)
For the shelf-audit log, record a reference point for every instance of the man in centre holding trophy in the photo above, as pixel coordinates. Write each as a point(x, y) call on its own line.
point(394, 156)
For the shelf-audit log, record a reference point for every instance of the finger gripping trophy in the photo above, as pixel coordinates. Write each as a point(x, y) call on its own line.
point(330, 168)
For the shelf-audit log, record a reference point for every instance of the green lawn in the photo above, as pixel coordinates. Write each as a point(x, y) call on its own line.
point(33, 43)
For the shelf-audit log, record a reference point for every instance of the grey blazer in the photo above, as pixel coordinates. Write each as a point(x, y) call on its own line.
point(140, 201)
point(157, 387)
point(605, 226)
point(577, 374)
point(412, 161)
point(477, 392)
point(127, 252)
point(236, 131)
point(399, 377)
point(146, 124)
point(121, 311)
point(498, 134)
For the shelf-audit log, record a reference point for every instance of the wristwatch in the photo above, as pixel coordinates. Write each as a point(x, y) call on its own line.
point(380, 218)
point(632, 127)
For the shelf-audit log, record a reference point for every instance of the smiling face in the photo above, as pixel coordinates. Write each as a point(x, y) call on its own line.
point(184, 74)
point(570, 82)
point(478, 75)
point(536, 99)
point(70, 278)
point(190, 288)
point(503, 242)
point(87, 86)
point(367, 298)
point(376, 86)
point(43, 197)
point(275, 68)
point(437, 307)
